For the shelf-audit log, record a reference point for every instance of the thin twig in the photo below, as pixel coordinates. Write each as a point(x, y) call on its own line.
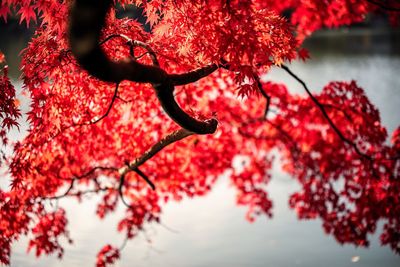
point(108, 109)
point(79, 193)
point(122, 246)
point(89, 172)
point(384, 6)
point(325, 114)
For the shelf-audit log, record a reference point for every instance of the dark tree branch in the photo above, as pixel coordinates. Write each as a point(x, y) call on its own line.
point(112, 36)
point(144, 176)
point(142, 55)
point(152, 151)
point(132, 166)
point(87, 20)
point(193, 76)
point(384, 6)
point(164, 91)
point(108, 109)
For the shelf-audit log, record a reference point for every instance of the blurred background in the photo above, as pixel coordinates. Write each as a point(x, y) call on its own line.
point(212, 230)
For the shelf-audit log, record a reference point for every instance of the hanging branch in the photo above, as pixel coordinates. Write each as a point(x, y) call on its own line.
point(296, 150)
point(264, 94)
point(326, 116)
point(144, 176)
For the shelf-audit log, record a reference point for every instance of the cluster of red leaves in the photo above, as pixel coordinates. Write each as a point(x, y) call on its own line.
point(107, 256)
point(309, 16)
point(47, 231)
point(349, 191)
point(9, 112)
point(350, 186)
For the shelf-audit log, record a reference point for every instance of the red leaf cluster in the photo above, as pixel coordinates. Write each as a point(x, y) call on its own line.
point(9, 112)
point(46, 233)
point(107, 256)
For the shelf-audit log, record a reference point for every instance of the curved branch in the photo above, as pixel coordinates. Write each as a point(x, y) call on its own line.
point(86, 21)
point(134, 165)
point(108, 109)
point(193, 76)
point(144, 176)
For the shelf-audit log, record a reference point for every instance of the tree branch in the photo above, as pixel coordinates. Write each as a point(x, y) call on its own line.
point(108, 109)
point(193, 76)
point(87, 20)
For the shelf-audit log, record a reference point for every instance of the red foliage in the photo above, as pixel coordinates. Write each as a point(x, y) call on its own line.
point(46, 233)
point(9, 112)
point(84, 131)
point(107, 256)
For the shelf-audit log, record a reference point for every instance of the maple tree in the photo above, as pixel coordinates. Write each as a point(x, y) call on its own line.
point(146, 117)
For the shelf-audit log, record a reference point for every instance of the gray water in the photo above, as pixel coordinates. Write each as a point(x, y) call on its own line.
point(212, 230)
